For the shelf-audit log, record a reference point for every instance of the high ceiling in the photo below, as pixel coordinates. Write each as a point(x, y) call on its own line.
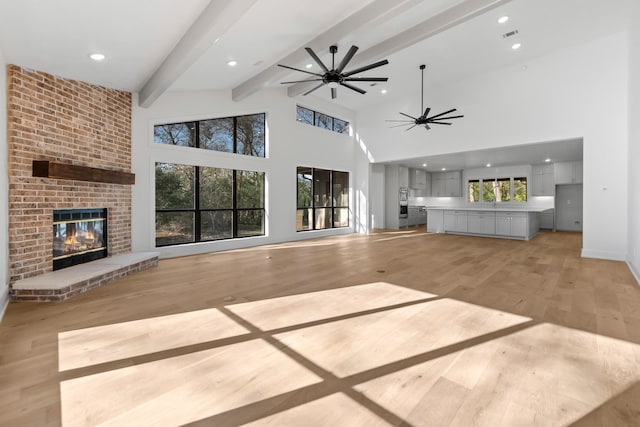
point(137, 36)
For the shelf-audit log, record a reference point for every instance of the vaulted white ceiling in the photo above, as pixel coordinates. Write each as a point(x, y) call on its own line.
point(138, 36)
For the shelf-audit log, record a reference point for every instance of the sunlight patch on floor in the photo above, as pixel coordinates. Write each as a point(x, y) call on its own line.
point(313, 306)
point(334, 410)
point(350, 346)
point(91, 346)
point(543, 375)
point(182, 389)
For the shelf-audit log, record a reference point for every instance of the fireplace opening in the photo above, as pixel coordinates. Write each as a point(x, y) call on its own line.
point(79, 236)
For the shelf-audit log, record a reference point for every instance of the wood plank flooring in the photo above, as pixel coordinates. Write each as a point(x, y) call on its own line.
point(401, 328)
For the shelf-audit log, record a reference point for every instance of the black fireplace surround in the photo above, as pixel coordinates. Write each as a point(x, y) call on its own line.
point(79, 236)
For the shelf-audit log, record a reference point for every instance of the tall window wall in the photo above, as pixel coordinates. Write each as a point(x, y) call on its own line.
point(199, 204)
point(322, 199)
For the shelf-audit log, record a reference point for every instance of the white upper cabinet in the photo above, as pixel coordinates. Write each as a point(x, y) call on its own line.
point(543, 180)
point(446, 184)
point(420, 181)
point(403, 176)
point(568, 172)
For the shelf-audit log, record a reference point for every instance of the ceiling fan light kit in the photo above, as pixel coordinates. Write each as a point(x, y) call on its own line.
point(424, 119)
point(335, 76)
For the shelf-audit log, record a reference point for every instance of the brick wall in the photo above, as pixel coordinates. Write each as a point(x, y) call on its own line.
point(51, 118)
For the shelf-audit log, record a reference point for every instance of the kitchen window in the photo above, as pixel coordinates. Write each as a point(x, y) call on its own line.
point(520, 189)
point(322, 199)
point(199, 204)
point(240, 134)
point(473, 190)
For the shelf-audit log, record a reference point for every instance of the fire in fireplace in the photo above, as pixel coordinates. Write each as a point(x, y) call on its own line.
point(79, 236)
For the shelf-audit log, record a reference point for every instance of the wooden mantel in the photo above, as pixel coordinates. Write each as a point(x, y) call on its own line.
point(49, 169)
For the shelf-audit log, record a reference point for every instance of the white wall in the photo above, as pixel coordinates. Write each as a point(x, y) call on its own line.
point(4, 193)
point(579, 92)
point(633, 255)
point(290, 144)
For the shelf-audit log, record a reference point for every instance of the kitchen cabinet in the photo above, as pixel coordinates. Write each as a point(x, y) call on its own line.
point(420, 182)
point(455, 221)
point(543, 180)
point(435, 221)
point(546, 220)
point(512, 224)
point(414, 213)
point(481, 222)
point(446, 184)
point(568, 172)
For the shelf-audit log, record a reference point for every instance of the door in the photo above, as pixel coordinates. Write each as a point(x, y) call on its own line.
point(569, 207)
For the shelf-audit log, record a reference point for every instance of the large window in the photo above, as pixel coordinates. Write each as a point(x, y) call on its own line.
point(241, 134)
point(324, 121)
point(322, 199)
point(199, 204)
point(497, 190)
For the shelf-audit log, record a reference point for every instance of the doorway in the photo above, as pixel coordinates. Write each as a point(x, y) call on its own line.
point(569, 207)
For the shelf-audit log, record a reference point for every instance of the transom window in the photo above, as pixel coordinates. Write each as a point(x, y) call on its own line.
point(321, 120)
point(199, 204)
point(240, 134)
point(323, 199)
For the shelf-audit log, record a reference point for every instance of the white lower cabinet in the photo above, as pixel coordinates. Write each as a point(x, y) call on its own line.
point(479, 222)
point(455, 221)
point(512, 224)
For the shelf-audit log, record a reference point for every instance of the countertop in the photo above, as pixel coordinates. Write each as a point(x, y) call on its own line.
point(489, 209)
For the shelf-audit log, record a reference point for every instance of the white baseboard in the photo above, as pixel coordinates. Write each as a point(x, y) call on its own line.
point(613, 256)
point(634, 272)
point(4, 300)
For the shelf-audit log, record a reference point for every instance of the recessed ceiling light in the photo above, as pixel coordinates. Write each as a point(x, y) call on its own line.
point(547, 160)
point(383, 91)
point(516, 46)
point(96, 56)
point(444, 169)
point(424, 165)
point(503, 19)
point(488, 165)
point(308, 66)
point(232, 63)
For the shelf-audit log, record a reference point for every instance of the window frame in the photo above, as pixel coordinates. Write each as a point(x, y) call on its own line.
point(197, 133)
point(197, 210)
point(342, 127)
point(316, 208)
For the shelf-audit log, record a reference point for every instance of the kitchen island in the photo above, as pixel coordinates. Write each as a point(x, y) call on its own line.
point(518, 223)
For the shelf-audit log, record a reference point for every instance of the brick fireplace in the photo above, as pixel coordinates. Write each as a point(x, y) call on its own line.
point(70, 122)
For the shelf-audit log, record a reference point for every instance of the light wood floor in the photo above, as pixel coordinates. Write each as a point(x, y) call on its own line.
point(397, 328)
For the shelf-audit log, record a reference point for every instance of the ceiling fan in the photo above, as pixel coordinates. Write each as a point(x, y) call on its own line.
point(424, 119)
point(335, 77)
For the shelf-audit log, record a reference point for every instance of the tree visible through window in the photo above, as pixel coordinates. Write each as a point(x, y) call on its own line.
point(322, 199)
point(197, 204)
point(241, 134)
point(324, 121)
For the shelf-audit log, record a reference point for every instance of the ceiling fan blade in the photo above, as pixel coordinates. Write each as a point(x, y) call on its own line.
point(411, 117)
point(366, 67)
point(315, 58)
point(403, 121)
point(442, 114)
point(445, 118)
point(440, 123)
point(357, 89)
point(311, 90)
point(301, 81)
point(397, 126)
point(366, 79)
point(302, 71)
point(426, 112)
point(346, 59)
point(411, 127)
point(334, 93)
